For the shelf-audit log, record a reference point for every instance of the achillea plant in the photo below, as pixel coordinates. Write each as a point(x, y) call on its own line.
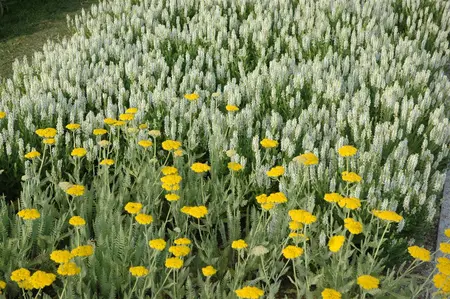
point(322, 132)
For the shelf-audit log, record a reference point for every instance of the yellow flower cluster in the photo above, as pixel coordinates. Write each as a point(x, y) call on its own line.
point(351, 177)
point(353, 226)
point(232, 108)
point(331, 294)
point(133, 207)
point(171, 182)
point(249, 293)
point(387, 215)
point(99, 132)
point(335, 243)
point(145, 143)
point(32, 155)
point(234, 166)
point(200, 167)
point(368, 282)
point(269, 143)
point(75, 190)
point(239, 244)
point(419, 253)
point(138, 271)
point(157, 244)
point(107, 162)
point(29, 214)
point(351, 203)
point(68, 269)
point(170, 145)
point(209, 271)
point(307, 159)
point(302, 216)
point(179, 250)
point(191, 96)
point(275, 171)
point(77, 221)
point(61, 256)
point(174, 263)
point(292, 252)
point(143, 219)
point(167, 170)
point(73, 127)
point(47, 132)
point(83, 250)
point(79, 152)
point(196, 211)
point(347, 151)
point(38, 280)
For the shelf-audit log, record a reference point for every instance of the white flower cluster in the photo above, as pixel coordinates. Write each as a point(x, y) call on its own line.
point(312, 74)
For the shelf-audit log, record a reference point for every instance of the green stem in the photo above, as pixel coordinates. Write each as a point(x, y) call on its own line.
point(295, 279)
point(134, 286)
point(162, 285)
point(378, 247)
point(64, 289)
point(37, 295)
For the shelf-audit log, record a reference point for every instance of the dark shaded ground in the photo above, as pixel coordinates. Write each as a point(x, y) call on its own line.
point(28, 24)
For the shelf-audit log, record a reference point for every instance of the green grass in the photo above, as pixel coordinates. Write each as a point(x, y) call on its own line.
point(28, 24)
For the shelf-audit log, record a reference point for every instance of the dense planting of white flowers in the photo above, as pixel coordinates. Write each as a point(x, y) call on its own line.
point(314, 75)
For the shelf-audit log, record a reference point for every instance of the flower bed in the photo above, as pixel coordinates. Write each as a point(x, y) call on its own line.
point(223, 149)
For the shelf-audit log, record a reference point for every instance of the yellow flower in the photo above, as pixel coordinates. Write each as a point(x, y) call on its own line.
point(333, 197)
point(302, 216)
point(109, 121)
point(143, 219)
point(29, 214)
point(49, 141)
point(261, 199)
point(351, 177)
point(157, 244)
point(145, 143)
point(335, 243)
point(84, 250)
point(268, 143)
point(347, 151)
point(443, 265)
point(174, 263)
point(191, 96)
point(171, 179)
point(2, 114)
point(197, 212)
point(77, 221)
point(167, 170)
point(169, 187)
point(41, 279)
point(182, 241)
point(25, 284)
point(155, 133)
point(239, 244)
point(132, 110)
point(331, 294)
point(179, 250)
point(200, 167)
point(32, 155)
point(119, 123)
point(447, 232)
point(442, 282)
point(20, 274)
point(2, 285)
point(75, 190)
point(307, 159)
point(267, 206)
point(143, 126)
point(368, 282)
point(294, 225)
point(387, 215)
point(47, 132)
point(133, 207)
point(178, 153)
point(277, 197)
point(103, 143)
point(61, 256)
point(234, 166)
point(249, 293)
point(79, 152)
point(99, 132)
point(232, 108)
point(209, 271)
point(351, 203)
point(73, 127)
point(68, 269)
point(138, 271)
point(172, 197)
point(108, 162)
point(354, 227)
point(275, 171)
point(169, 145)
point(126, 116)
point(419, 253)
point(445, 248)
point(294, 235)
point(292, 252)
